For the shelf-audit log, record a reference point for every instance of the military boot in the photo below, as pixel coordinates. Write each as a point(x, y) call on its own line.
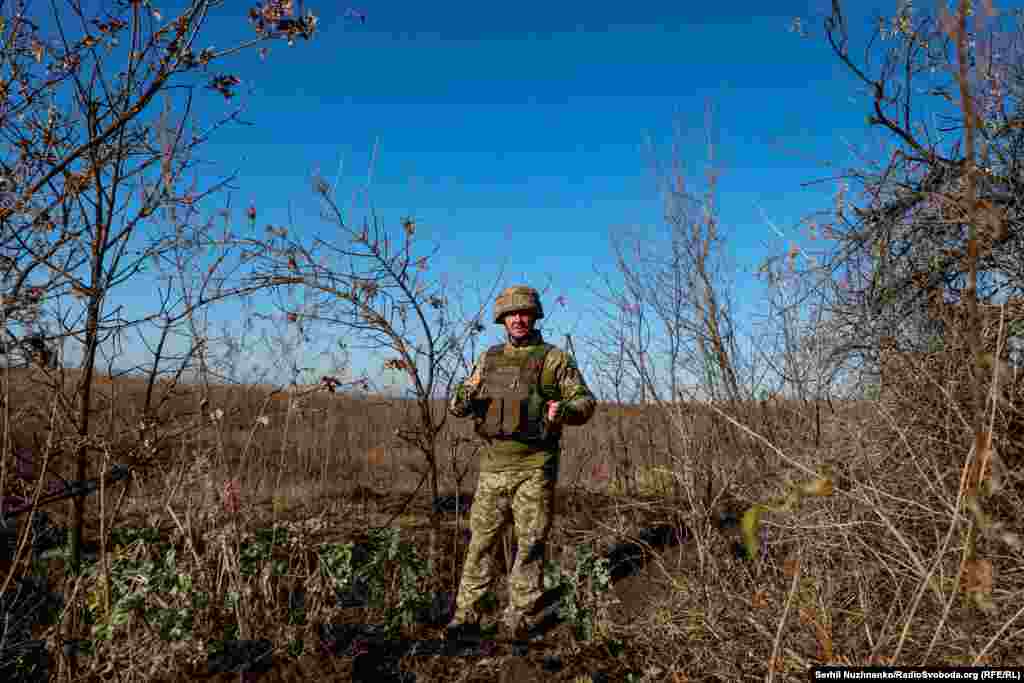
point(470, 624)
point(458, 629)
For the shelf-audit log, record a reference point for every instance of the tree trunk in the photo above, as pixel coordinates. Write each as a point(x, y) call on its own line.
point(70, 626)
point(435, 512)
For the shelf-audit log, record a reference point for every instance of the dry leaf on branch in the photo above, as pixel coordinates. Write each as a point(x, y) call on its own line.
point(977, 582)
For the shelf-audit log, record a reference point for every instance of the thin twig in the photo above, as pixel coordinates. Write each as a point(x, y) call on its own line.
point(775, 449)
point(782, 620)
point(996, 636)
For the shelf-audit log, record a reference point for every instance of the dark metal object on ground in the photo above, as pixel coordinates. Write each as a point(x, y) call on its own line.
point(71, 489)
point(626, 559)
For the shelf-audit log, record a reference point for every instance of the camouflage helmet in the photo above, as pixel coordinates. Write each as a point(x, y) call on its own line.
point(518, 298)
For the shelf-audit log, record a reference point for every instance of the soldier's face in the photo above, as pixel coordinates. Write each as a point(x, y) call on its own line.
point(518, 324)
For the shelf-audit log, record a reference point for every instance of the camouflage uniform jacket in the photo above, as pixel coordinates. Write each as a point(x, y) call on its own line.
point(559, 376)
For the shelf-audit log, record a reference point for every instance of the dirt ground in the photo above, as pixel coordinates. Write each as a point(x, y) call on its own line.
point(582, 516)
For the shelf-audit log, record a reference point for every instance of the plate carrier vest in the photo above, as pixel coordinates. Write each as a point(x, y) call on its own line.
point(511, 397)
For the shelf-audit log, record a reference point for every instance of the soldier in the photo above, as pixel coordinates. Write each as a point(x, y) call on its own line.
point(520, 394)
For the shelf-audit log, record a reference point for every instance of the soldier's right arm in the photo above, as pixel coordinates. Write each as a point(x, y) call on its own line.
point(461, 402)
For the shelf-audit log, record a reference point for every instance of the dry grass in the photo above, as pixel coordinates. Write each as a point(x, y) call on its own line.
point(871, 574)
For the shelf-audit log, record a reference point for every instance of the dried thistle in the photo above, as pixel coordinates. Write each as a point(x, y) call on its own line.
point(223, 84)
point(231, 496)
point(274, 11)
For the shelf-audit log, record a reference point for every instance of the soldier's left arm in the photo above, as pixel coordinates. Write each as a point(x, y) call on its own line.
point(577, 403)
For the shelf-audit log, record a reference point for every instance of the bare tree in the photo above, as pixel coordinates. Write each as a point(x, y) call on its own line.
point(670, 329)
point(940, 213)
point(372, 282)
point(927, 233)
point(796, 344)
point(101, 122)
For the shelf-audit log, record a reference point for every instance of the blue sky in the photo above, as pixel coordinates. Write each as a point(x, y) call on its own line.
point(518, 131)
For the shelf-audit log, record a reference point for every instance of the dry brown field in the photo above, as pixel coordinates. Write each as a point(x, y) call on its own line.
point(871, 574)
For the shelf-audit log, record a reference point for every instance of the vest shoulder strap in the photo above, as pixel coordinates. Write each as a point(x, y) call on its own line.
point(541, 355)
point(544, 350)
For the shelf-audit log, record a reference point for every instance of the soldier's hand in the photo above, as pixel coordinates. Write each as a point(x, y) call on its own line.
point(553, 407)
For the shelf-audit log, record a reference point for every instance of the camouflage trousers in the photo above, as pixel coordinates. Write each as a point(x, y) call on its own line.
point(526, 499)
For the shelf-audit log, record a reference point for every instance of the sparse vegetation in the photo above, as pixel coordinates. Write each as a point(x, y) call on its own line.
point(844, 489)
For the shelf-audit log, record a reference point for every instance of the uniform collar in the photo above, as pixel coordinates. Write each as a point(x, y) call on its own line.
point(534, 339)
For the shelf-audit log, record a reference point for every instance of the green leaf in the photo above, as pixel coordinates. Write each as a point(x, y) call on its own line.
point(103, 631)
point(750, 526)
